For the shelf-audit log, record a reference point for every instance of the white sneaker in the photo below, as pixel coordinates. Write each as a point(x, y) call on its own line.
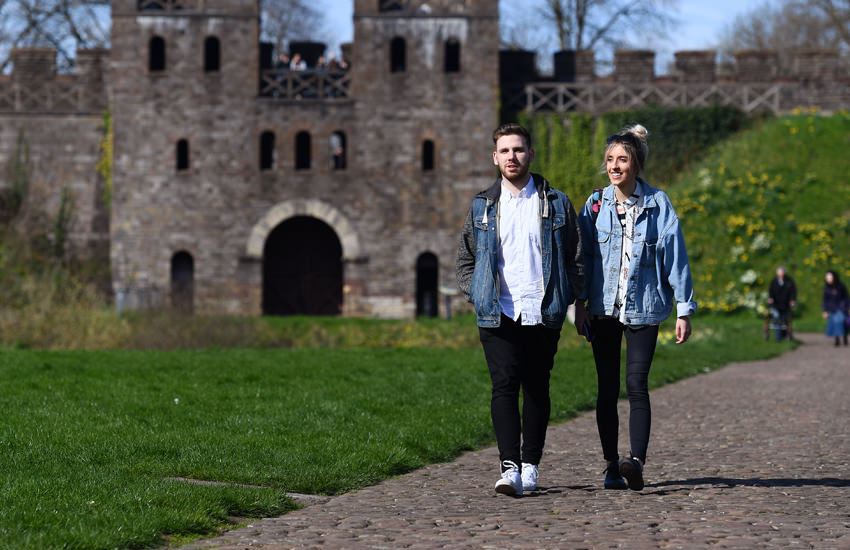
point(510, 483)
point(529, 477)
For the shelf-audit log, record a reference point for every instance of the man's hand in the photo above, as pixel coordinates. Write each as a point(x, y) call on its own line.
point(683, 329)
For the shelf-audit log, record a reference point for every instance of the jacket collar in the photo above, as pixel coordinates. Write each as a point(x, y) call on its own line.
point(646, 190)
point(493, 192)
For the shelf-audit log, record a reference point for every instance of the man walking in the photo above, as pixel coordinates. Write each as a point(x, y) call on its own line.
point(782, 296)
point(520, 263)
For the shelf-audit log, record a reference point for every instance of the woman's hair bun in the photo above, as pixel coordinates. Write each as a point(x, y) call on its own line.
point(637, 130)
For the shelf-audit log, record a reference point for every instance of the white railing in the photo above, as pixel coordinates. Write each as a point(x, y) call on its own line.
point(592, 97)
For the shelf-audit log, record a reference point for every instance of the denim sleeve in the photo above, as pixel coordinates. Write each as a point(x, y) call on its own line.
point(677, 268)
point(465, 263)
point(585, 224)
point(575, 263)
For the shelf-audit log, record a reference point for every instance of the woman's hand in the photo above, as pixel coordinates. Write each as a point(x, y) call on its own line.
point(825, 315)
point(582, 319)
point(683, 329)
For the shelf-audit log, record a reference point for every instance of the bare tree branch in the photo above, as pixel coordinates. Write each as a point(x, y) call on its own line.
point(795, 25)
point(286, 20)
point(590, 24)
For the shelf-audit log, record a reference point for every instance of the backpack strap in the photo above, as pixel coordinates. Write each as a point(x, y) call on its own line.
point(596, 206)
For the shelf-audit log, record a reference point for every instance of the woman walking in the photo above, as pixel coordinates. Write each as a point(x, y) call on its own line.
point(835, 305)
point(636, 271)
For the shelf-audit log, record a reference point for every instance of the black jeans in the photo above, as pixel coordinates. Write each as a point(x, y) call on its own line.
point(520, 357)
point(640, 348)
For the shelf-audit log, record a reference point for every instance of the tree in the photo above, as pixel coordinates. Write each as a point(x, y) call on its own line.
point(794, 25)
point(69, 25)
point(837, 13)
point(285, 20)
point(588, 24)
point(66, 25)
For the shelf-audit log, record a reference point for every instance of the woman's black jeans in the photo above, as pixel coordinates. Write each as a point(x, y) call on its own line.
point(520, 357)
point(640, 348)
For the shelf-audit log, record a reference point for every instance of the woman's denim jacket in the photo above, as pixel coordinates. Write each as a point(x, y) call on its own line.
point(479, 249)
point(659, 275)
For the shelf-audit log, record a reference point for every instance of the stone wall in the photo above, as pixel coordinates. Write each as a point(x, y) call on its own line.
point(60, 119)
point(385, 209)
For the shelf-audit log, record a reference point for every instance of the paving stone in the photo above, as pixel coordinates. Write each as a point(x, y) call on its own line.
point(754, 455)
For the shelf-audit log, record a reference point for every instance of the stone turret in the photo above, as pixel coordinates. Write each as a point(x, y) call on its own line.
point(696, 66)
point(756, 65)
point(634, 65)
point(34, 64)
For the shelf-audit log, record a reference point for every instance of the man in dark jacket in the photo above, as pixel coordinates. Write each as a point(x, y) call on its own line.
point(520, 263)
point(782, 296)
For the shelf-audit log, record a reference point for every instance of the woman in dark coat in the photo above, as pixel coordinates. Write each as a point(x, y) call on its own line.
point(835, 305)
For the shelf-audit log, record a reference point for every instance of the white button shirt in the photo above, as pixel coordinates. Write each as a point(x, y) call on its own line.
point(520, 259)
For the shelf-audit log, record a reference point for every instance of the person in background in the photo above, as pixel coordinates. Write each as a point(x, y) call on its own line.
point(297, 63)
point(282, 61)
point(782, 296)
point(836, 303)
point(636, 273)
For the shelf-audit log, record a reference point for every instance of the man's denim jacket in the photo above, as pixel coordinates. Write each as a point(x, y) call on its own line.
point(479, 249)
point(659, 275)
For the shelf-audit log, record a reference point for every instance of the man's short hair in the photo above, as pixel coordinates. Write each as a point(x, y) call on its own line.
point(512, 129)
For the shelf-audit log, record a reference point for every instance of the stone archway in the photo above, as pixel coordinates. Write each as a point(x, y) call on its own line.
point(351, 250)
point(303, 246)
point(302, 269)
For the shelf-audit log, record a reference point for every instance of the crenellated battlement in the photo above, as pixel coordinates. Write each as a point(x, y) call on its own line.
point(419, 8)
point(753, 81)
point(35, 86)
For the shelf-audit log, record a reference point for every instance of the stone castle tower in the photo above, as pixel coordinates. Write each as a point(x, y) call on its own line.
point(239, 188)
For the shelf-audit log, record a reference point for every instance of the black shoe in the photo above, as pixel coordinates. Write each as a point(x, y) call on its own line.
point(613, 478)
point(632, 470)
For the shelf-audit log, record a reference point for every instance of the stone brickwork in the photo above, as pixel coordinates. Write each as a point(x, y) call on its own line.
point(634, 66)
point(58, 118)
point(696, 66)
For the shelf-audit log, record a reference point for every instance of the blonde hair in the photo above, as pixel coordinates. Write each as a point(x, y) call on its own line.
point(633, 138)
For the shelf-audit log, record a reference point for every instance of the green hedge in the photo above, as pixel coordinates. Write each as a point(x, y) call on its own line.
point(570, 147)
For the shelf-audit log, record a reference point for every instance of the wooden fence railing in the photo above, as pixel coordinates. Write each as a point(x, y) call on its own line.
point(305, 85)
point(51, 97)
point(594, 97)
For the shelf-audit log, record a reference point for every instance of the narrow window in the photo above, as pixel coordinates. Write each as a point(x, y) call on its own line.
point(302, 151)
point(182, 155)
point(212, 55)
point(156, 54)
point(427, 274)
point(267, 150)
point(427, 155)
point(182, 282)
point(452, 56)
point(398, 55)
point(337, 145)
point(390, 5)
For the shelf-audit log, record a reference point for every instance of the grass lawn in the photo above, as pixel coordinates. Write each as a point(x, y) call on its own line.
point(89, 438)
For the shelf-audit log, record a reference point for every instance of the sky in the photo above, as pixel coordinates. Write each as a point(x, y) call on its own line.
point(700, 23)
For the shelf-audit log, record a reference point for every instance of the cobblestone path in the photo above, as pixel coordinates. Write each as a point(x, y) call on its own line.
point(754, 455)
